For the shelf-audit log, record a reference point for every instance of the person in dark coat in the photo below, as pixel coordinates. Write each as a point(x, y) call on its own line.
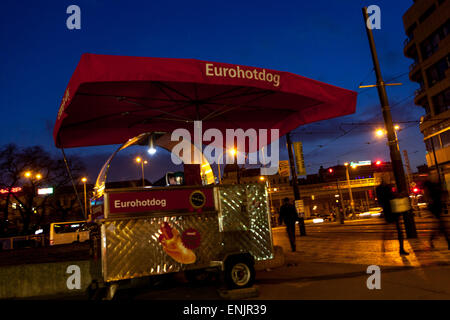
point(288, 215)
point(385, 195)
point(434, 195)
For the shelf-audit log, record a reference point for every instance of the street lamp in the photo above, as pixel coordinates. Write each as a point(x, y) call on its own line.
point(84, 180)
point(382, 132)
point(29, 175)
point(352, 204)
point(151, 149)
point(262, 178)
point(142, 162)
point(234, 152)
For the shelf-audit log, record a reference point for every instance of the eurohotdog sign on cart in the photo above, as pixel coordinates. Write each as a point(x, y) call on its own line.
point(160, 200)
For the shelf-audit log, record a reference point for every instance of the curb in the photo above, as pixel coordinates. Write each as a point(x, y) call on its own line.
point(278, 260)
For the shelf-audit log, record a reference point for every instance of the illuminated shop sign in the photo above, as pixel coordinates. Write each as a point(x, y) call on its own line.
point(13, 190)
point(43, 191)
point(361, 163)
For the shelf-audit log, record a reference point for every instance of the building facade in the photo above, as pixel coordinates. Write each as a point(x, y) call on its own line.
point(323, 193)
point(427, 25)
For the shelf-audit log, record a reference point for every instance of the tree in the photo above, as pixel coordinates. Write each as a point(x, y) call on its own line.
point(31, 168)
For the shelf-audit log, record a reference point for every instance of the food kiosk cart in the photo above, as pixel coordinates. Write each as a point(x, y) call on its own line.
point(147, 231)
point(156, 230)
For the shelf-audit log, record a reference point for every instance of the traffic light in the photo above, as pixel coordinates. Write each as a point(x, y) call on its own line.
point(330, 170)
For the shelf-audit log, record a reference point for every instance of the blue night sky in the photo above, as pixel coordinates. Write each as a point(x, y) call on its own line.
point(322, 40)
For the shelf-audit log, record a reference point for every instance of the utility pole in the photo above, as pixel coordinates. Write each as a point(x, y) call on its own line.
point(408, 167)
point(341, 199)
point(292, 166)
point(352, 203)
point(295, 182)
point(396, 159)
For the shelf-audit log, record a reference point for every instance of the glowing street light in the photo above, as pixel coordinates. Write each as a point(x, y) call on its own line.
point(262, 178)
point(29, 175)
point(151, 149)
point(84, 180)
point(234, 152)
point(380, 132)
point(142, 162)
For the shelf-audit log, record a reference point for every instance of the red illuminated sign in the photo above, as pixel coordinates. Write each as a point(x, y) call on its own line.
point(13, 190)
point(194, 199)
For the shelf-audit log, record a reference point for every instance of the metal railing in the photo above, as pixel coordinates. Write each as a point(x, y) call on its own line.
point(22, 242)
point(329, 186)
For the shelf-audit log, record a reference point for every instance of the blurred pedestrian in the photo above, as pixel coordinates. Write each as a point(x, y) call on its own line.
point(341, 214)
point(385, 195)
point(434, 196)
point(288, 215)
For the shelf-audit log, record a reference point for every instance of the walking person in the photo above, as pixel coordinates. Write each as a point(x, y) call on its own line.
point(288, 215)
point(434, 195)
point(385, 195)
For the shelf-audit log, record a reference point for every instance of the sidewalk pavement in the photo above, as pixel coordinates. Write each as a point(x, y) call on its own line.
point(366, 252)
point(353, 248)
point(335, 281)
point(335, 267)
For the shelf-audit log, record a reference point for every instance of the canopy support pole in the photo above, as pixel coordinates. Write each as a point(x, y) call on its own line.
point(71, 179)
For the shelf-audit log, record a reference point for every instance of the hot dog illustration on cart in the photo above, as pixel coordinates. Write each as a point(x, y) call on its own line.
point(173, 244)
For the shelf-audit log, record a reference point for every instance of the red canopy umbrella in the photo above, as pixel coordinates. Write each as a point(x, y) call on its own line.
point(110, 99)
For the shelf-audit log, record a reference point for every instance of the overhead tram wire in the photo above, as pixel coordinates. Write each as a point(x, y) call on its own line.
point(368, 145)
point(330, 141)
point(367, 75)
point(321, 147)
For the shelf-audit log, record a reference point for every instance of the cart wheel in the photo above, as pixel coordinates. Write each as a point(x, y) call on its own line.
point(239, 273)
